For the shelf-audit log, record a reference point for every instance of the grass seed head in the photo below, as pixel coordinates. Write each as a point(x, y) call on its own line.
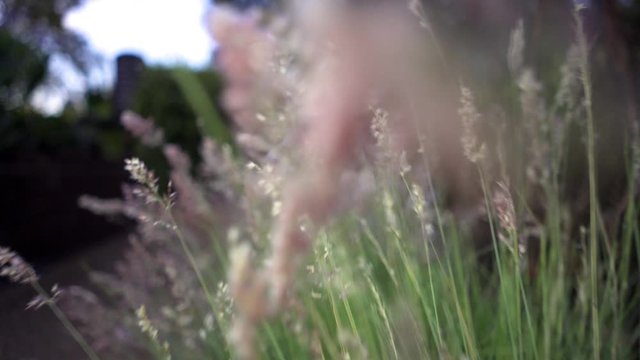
point(14, 268)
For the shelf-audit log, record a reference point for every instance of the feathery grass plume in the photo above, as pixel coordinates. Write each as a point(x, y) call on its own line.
point(569, 87)
point(515, 53)
point(14, 268)
point(340, 84)
point(391, 218)
point(139, 172)
point(105, 327)
point(474, 150)
point(415, 6)
point(506, 213)
point(188, 196)
point(335, 114)
point(147, 328)
point(114, 207)
point(143, 129)
point(567, 102)
point(536, 123)
point(153, 272)
point(244, 55)
point(267, 181)
point(386, 145)
point(168, 219)
point(419, 202)
point(533, 107)
point(219, 171)
point(253, 145)
point(380, 128)
point(149, 191)
point(534, 112)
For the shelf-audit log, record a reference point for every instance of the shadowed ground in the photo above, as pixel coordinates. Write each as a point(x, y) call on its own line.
point(37, 334)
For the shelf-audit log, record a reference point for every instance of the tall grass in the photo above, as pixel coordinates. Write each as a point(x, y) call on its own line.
point(403, 277)
point(381, 289)
point(397, 283)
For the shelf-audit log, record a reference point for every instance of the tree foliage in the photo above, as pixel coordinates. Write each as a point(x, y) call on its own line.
point(39, 23)
point(22, 69)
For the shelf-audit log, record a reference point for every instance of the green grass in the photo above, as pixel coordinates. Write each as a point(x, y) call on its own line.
point(379, 286)
point(392, 294)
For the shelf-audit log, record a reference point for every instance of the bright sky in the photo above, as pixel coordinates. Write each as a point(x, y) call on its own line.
point(161, 31)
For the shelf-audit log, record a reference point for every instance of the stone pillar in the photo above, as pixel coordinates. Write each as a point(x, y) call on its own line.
point(129, 68)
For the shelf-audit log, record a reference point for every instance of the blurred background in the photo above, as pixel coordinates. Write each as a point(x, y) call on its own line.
point(69, 68)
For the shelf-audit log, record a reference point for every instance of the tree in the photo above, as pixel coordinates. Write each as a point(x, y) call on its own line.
point(39, 23)
point(22, 69)
point(159, 97)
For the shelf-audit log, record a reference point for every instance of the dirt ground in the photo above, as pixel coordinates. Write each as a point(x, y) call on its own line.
point(37, 334)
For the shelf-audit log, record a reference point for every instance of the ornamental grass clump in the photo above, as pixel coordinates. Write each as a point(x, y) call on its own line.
point(367, 207)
